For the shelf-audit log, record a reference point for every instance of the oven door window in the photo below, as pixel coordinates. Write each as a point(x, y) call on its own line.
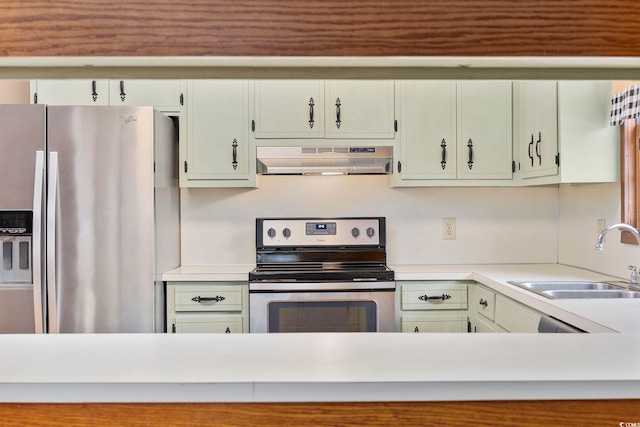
point(323, 316)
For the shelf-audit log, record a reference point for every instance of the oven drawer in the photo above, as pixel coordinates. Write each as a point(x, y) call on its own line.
point(207, 323)
point(208, 298)
point(433, 296)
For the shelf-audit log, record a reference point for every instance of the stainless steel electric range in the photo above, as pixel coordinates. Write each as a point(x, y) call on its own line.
point(321, 275)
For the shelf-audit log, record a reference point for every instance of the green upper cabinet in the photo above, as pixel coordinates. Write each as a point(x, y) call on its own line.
point(589, 146)
point(535, 105)
point(484, 130)
point(427, 129)
point(359, 109)
point(70, 92)
point(289, 108)
point(454, 133)
point(164, 95)
point(216, 153)
point(586, 149)
point(324, 109)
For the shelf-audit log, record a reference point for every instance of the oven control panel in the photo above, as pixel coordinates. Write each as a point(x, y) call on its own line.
point(320, 232)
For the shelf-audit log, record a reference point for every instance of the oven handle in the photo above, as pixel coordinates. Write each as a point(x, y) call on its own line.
point(321, 286)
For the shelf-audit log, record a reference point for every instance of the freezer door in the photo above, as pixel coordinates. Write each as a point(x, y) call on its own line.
point(100, 219)
point(22, 145)
point(22, 135)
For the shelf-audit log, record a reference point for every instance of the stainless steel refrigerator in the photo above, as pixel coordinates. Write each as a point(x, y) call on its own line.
point(89, 218)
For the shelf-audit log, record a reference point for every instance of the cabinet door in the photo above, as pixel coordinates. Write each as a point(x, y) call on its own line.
point(484, 130)
point(289, 108)
point(439, 323)
point(70, 92)
point(589, 146)
point(516, 317)
point(427, 129)
point(164, 95)
point(207, 323)
point(359, 109)
point(218, 133)
point(485, 302)
point(537, 123)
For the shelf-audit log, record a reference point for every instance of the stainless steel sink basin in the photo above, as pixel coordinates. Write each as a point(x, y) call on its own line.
point(592, 294)
point(578, 289)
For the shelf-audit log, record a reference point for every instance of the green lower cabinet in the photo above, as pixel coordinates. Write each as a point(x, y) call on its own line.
point(207, 323)
point(494, 312)
point(461, 306)
point(435, 323)
point(434, 306)
point(207, 307)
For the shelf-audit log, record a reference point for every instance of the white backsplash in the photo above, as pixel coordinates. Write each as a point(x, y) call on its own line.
point(494, 224)
point(580, 208)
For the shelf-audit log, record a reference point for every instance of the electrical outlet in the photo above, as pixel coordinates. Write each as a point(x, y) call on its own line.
point(601, 224)
point(448, 228)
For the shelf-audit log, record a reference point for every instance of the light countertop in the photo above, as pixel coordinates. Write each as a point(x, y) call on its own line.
point(343, 367)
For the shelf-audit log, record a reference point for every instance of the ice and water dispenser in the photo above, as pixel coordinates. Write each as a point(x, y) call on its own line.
point(16, 228)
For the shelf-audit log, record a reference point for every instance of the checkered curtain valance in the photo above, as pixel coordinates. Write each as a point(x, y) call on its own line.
point(625, 105)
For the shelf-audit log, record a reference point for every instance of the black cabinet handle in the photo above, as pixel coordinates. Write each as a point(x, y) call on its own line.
point(217, 298)
point(311, 121)
point(338, 121)
point(538, 148)
point(530, 148)
point(442, 297)
point(234, 161)
point(443, 162)
point(227, 331)
point(123, 95)
point(416, 330)
point(94, 92)
point(484, 303)
point(470, 161)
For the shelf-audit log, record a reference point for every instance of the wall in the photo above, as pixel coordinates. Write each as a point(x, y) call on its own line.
point(14, 91)
point(580, 207)
point(494, 225)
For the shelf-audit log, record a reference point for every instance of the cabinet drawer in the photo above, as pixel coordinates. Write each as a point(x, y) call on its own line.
point(436, 323)
point(212, 324)
point(208, 298)
point(485, 302)
point(515, 317)
point(434, 296)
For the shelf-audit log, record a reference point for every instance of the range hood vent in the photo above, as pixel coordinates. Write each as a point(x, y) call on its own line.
point(324, 160)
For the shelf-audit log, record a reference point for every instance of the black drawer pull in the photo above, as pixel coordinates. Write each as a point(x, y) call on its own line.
point(442, 297)
point(217, 298)
point(484, 303)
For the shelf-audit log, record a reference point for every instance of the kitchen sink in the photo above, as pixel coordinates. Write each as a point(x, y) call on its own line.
point(578, 289)
point(607, 293)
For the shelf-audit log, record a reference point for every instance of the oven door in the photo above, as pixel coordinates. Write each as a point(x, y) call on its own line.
point(336, 311)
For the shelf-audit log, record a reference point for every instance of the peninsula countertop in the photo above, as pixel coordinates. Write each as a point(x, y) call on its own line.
point(604, 364)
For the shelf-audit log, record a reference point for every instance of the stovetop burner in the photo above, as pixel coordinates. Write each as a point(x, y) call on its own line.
point(321, 250)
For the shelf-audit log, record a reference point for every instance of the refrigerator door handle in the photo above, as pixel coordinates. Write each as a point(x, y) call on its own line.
point(52, 223)
point(36, 245)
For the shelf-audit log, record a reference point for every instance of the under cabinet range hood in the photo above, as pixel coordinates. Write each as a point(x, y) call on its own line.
point(324, 160)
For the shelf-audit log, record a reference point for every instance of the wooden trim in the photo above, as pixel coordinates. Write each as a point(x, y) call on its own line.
point(322, 28)
point(629, 177)
point(487, 413)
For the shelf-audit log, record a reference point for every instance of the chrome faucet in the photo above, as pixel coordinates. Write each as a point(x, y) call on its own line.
point(624, 227)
